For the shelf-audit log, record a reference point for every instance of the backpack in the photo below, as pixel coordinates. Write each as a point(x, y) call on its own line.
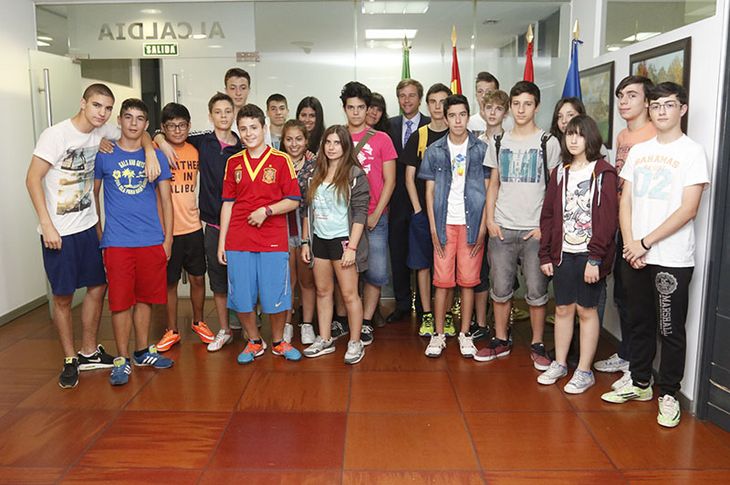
point(543, 146)
point(363, 141)
point(422, 141)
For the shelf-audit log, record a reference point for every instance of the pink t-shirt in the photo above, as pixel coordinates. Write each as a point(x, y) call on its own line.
point(378, 149)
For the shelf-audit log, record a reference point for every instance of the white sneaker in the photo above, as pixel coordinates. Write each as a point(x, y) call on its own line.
point(466, 346)
point(612, 364)
point(222, 338)
point(288, 332)
point(306, 331)
point(436, 345)
point(320, 347)
point(552, 374)
point(626, 379)
point(355, 352)
point(669, 411)
point(580, 382)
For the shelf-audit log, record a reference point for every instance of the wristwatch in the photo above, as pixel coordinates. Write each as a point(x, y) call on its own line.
point(594, 262)
point(268, 211)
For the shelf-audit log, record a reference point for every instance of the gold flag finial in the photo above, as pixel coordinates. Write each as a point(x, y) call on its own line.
point(576, 30)
point(529, 36)
point(453, 36)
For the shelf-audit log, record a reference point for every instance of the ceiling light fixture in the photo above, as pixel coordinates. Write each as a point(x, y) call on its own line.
point(639, 36)
point(46, 38)
point(373, 7)
point(40, 43)
point(151, 11)
point(198, 36)
point(390, 34)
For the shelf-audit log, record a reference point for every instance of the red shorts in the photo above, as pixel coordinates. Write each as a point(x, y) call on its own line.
point(457, 267)
point(136, 275)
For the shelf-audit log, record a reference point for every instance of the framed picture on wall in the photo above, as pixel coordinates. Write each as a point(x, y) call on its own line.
point(669, 62)
point(596, 85)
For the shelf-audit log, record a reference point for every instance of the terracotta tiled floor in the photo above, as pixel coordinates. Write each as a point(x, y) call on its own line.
point(397, 417)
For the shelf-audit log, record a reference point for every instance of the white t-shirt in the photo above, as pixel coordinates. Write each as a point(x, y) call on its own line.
point(658, 174)
point(455, 213)
point(69, 184)
point(577, 225)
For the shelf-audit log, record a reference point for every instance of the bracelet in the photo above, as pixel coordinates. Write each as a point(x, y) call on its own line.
point(305, 242)
point(351, 248)
point(644, 245)
point(268, 211)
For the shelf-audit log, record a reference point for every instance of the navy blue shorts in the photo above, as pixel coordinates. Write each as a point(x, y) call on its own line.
point(569, 284)
point(78, 264)
point(420, 245)
point(483, 273)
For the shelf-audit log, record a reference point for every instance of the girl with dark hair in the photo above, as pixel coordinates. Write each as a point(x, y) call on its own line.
point(310, 112)
point(565, 110)
point(377, 115)
point(294, 143)
point(336, 214)
point(578, 224)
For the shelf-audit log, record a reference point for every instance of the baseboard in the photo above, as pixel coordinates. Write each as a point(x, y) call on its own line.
point(23, 309)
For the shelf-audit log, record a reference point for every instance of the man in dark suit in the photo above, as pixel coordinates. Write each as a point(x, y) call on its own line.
point(410, 93)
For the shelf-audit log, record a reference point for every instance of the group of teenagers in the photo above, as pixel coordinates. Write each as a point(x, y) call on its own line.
point(266, 205)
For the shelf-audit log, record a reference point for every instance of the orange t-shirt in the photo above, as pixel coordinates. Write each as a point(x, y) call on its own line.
point(184, 198)
point(625, 140)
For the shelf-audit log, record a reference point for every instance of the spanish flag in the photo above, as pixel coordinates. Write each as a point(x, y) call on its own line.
point(529, 69)
point(455, 76)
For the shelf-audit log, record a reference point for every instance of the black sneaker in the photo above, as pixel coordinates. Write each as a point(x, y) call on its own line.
point(339, 328)
point(477, 332)
point(366, 335)
point(69, 378)
point(98, 360)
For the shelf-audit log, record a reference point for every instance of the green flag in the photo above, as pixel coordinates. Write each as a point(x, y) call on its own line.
point(406, 70)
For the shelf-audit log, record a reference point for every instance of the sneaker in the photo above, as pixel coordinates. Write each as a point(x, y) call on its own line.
point(120, 372)
point(98, 360)
point(355, 352)
point(628, 393)
point(233, 322)
point(477, 332)
point(516, 314)
point(152, 358)
point(436, 345)
point(427, 327)
point(169, 339)
point(449, 329)
point(251, 351)
point(366, 335)
point(626, 379)
point(320, 347)
point(539, 356)
point(69, 377)
point(669, 411)
point(495, 348)
point(205, 334)
point(221, 338)
point(580, 382)
point(466, 345)
point(612, 364)
point(306, 331)
point(554, 372)
point(288, 332)
point(339, 328)
point(286, 350)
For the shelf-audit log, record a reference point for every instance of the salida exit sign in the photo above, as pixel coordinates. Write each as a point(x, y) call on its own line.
point(159, 49)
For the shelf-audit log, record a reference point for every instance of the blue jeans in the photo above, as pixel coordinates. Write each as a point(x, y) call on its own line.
point(377, 272)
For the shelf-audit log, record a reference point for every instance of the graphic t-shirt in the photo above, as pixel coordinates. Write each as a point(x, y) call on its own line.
point(184, 200)
point(251, 183)
point(625, 140)
point(131, 219)
point(658, 174)
point(522, 179)
point(577, 224)
point(378, 150)
point(455, 203)
point(68, 186)
point(330, 213)
point(410, 156)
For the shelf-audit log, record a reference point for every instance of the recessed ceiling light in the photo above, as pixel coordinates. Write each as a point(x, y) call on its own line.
point(198, 36)
point(151, 11)
point(639, 36)
point(373, 7)
point(215, 46)
point(40, 43)
point(45, 37)
point(390, 34)
point(613, 48)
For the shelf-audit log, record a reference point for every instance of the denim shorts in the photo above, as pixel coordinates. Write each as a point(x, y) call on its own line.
point(503, 257)
point(377, 273)
point(569, 283)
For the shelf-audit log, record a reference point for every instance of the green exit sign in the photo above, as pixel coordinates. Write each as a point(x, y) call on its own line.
point(159, 49)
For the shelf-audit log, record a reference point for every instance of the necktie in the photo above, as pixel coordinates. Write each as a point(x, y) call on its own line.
point(409, 131)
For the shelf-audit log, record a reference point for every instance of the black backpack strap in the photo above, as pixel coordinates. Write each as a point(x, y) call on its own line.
point(543, 146)
point(497, 146)
point(363, 141)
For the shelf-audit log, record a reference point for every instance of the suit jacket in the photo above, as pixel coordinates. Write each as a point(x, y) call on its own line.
point(400, 205)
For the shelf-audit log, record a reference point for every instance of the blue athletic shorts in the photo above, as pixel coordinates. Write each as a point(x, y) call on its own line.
point(78, 264)
point(420, 245)
point(260, 277)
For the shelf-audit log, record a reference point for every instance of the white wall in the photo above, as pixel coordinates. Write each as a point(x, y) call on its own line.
point(21, 278)
point(704, 99)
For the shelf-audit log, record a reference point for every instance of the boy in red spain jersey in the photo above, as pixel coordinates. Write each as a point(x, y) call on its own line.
point(260, 186)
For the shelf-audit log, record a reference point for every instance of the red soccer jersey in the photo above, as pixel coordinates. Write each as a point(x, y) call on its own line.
point(258, 182)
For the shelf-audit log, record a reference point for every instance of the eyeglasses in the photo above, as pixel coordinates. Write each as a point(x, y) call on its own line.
point(668, 106)
point(176, 127)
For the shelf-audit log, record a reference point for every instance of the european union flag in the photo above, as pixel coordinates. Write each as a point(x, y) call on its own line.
point(572, 80)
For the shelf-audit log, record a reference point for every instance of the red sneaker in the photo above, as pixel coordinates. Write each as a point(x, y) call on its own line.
point(203, 332)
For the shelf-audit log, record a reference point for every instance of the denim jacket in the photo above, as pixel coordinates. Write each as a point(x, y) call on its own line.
point(436, 166)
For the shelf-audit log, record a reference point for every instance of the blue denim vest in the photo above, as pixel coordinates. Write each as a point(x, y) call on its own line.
point(436, 166)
